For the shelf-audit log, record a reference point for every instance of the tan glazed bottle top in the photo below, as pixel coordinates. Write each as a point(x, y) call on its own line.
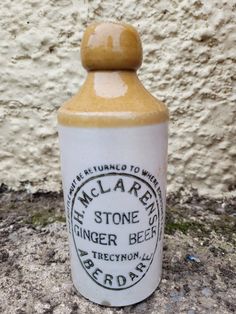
point(112, 95)
point(110, 46)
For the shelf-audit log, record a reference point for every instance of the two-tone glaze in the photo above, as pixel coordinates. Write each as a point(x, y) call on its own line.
point(113, 141)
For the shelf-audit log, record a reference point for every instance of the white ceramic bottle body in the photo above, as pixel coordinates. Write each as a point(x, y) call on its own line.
point(114, 182)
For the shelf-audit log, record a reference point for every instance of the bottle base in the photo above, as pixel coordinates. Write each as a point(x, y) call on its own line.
point(114, 302)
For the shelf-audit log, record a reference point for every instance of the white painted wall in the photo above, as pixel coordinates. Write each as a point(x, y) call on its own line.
point(189, 63)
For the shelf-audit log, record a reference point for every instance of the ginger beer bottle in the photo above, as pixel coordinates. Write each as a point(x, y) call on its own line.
point(113, 142)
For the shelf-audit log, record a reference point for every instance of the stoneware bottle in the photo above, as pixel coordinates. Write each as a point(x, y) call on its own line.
point(113, 142)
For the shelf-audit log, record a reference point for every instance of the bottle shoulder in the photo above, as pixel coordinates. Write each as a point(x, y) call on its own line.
point(112, 99)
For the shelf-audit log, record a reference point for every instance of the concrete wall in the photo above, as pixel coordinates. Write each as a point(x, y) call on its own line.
point(189, 63)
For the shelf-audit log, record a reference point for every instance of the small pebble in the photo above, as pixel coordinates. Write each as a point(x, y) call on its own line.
point(4, 255)
point(207, 292)
point(192, 258)
point(220, 210)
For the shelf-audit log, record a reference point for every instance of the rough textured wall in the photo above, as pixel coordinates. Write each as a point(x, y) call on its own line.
point(189, 63)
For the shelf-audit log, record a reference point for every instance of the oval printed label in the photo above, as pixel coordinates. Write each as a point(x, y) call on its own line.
point(116, 221)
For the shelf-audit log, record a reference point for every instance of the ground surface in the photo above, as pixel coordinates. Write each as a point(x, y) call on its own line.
point(34, 257)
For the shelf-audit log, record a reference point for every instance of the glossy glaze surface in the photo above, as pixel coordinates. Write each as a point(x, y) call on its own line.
point(111, 46)
point(112, 99)
point(112, 95)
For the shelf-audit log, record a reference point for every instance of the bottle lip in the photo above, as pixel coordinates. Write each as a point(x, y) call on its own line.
point(111, 46)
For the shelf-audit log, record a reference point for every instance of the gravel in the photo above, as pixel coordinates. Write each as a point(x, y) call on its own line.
point(198, 266)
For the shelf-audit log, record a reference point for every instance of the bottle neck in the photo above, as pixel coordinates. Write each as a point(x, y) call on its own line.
point(112, 98)
point(111, 84)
